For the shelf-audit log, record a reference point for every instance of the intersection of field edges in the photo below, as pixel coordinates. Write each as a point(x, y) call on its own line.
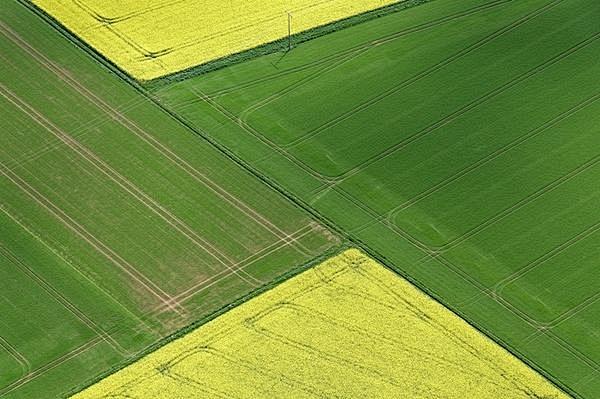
point(346, 328)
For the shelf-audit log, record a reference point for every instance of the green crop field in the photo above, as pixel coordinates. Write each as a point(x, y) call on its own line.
point(118, 225)
point(460, 141)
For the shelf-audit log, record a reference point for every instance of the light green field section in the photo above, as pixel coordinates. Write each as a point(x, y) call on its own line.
point(460, 141)
point(347, 328)
point(118, 224)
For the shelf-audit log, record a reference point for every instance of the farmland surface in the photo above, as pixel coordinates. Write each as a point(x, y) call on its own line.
point(152, 38)
point(460, 140)
point(118, 224)
point(345, 328)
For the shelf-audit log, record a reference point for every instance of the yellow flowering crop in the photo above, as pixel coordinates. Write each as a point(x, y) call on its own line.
point(152, 38)
point(346, 328)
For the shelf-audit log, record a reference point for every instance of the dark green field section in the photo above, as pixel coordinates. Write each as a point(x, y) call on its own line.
point(460, 140)
point(118, 225)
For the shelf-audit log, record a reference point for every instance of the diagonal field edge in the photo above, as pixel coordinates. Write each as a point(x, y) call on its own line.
point(294, 199)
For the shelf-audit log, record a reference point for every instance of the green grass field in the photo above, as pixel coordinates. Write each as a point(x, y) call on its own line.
point(460, 140)
point(118, 224)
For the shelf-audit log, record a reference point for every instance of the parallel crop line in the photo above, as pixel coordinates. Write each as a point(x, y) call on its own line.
point(365, 45)
point(49, 366)
point(18, 356)
point(582, 168)
point(427, 72)
point(131, 14)
point(120, 180)
point(60, 298)
point(563, 317)
point(502, 284)
point(142, 134)
point(588, 362)
point(417, 77)
point(392, 214)
point(334, 180)
point(154, 55)
point(77, 270)
point(78, 229)
point(492, 156)
point(81, 131)
point(239, 120)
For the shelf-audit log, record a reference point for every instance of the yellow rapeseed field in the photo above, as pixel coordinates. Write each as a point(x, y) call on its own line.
point(152, 38)
point(346, 328)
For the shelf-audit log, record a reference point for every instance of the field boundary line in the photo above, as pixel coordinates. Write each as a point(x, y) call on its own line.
point(253, 52)
point(110, 22)
point(512, 350)
point(240, 264)
point(145, 136)
point(473, 166)
point(280, 44)
point(211, 316)
point(531, 322)
point(300, 203)
point(379, 218)
point(352, 53)
point(463, 343)
point(260, 136)
point(235, 28)
point(428, 253)
point(127, 41)
point(389, 216)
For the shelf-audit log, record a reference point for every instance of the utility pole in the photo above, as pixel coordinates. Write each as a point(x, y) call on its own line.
point(289, 14)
